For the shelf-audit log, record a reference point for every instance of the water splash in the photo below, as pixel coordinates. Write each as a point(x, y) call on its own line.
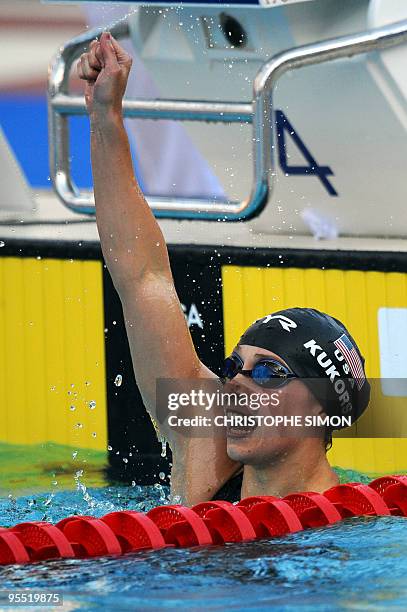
point(162, 491)
point(163, 446)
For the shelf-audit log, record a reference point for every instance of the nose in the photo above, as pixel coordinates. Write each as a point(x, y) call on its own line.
point(239, 384)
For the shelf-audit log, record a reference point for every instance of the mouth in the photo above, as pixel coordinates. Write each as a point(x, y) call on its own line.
point(237, 425)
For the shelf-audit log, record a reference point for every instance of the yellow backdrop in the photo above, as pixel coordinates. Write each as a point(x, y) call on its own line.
point(52, 362)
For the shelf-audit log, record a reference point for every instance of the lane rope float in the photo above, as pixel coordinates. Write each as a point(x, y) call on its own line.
point(206, 524)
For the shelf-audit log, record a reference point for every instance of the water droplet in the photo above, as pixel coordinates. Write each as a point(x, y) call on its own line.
point(94, 434)
point(161, 475)
point(2, 243)
point(74, 454)
point(163, 447)
point(72, 408)
point(109, 448)
point(159, 487)
point(118, 380)
point(49, 500)
point(92, 404)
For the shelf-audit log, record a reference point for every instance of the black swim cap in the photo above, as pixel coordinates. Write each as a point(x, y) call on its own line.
point(320, 350)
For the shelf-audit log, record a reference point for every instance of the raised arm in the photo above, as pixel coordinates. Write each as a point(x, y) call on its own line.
point(136, 255)
point(132, 242)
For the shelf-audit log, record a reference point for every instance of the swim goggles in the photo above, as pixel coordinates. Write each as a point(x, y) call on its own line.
point(267, 372)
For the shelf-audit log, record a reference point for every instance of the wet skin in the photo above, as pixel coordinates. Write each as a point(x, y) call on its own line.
point(262, 444)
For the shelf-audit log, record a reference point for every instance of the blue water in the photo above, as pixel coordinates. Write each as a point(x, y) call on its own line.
point(357, 564)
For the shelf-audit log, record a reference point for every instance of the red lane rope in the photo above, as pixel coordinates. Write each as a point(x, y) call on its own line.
point(393, 489)
point(205, 524)
point(226, 522)
point(249, 502)
point(313, 509)
point(12, 550)
point(180, 524)
point(272, 518)
point(357, 499)
point(134, 530)
point(42, 540)
point(90, 537)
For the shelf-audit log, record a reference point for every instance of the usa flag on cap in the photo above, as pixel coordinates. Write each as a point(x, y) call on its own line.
point(352, 359)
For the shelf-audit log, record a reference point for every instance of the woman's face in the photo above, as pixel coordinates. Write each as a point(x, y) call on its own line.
point(262, 443)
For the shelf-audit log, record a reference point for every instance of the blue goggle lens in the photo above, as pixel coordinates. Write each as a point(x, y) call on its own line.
point(265, 373)
point(231, 367)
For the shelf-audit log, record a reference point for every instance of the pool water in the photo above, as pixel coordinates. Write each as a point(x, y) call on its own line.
point(360, 563)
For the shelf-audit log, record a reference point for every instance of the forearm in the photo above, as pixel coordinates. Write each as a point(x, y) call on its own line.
point(131, 240)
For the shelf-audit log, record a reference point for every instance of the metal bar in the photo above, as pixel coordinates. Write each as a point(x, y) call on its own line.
point(58, 129)
point(260, 113)
point(179, 110)
point(61, 105)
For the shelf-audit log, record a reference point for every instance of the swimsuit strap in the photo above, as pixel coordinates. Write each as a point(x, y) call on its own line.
point(231, 491)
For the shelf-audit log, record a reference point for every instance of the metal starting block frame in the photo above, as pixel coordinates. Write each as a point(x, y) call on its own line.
point(259, 113)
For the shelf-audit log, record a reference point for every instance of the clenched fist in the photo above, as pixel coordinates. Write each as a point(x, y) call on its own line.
point(105, 68)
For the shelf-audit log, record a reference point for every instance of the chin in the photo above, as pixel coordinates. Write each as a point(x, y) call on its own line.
point(257, 452)
point(238, 451)
point(245, 450)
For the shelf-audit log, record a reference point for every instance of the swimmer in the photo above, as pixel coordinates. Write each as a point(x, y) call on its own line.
point(306, 356)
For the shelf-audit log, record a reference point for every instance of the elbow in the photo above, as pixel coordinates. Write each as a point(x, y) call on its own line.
point(143, 285)
point(126, 278)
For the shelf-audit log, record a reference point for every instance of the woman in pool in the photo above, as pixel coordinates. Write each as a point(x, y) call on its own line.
point(305, 357)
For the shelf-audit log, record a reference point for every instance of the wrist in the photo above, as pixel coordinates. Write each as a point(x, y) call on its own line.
point(104, 118)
